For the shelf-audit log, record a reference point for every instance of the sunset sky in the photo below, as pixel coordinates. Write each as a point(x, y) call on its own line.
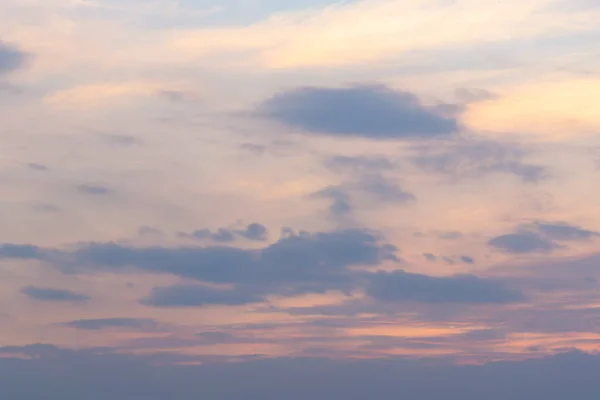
point(212, 186)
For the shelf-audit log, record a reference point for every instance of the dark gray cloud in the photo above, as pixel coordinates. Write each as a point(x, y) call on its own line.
point(561, 231)
point(297, 263)
point(197, 296)
point(56, 295)
point(11, 58)
point(19, 251)
point(523, 242)
point(430, 257)
point(369, 111)
point(540, 237)
point(472, 159)
point(403, 286)
point(106, 323)
point(467, 260)
point(221, 235)
point(254, 231)
point(103, 374)
point(94, 190)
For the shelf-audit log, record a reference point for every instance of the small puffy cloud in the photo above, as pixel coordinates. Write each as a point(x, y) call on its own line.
point(197, 296)
point(108, 323)
point(467, 260)
point(255, 231)
point(371, 111)
point(54, 295)
point(403, 286)
point(522, 242)
point(430, 257)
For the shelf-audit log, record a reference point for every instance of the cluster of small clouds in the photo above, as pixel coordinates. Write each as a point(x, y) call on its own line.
point(297, 263)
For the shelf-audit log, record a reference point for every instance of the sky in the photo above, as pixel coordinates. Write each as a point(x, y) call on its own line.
point(256, 199)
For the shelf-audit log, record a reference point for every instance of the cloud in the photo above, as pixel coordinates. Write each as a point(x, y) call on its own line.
point(472, 159)
point(154, 377)
point(540, 109)
point(521, 243)
point(107, 323)
point(54, 295)
point(197, 296)
point(297, 263)
point(37, 167)
point(255, 231)
point(358, 164)
point(467, 260)
point(341, 203)
point(363, 176)
point(384, 189)
point(220, 235)
point(94, 190)
point(10, 58)
point(373, 112)
point(540, 237)
point(400, 286)
point(430, 257)
point(18, 251)
point(561, 231)
point(369, 32)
